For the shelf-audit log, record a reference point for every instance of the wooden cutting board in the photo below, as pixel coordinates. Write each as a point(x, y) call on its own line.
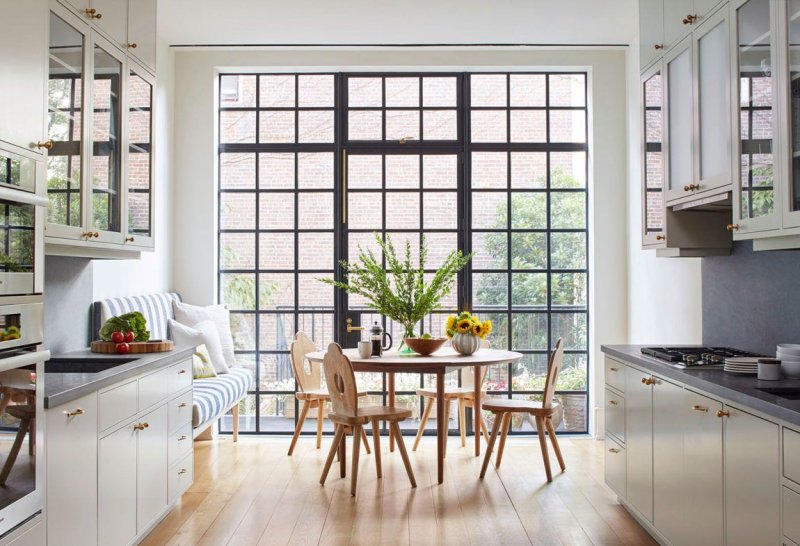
point(152, 346)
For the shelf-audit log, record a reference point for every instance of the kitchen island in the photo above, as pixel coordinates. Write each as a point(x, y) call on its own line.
point(701, 456)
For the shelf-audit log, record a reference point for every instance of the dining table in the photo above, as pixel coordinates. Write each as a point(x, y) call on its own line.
point(439, 363)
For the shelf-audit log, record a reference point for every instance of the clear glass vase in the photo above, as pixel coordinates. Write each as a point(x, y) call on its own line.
point(408, 331)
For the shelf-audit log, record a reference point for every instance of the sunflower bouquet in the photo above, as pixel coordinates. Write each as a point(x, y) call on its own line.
point(465, 329)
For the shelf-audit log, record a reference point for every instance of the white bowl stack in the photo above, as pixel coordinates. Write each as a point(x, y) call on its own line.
point(789, 355)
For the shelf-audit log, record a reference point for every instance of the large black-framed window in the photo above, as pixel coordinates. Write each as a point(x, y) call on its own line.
point(497, 163)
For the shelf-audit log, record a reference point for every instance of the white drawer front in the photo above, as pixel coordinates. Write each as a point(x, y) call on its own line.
point(118, 404)
point(615, 374)
point(155, 388)
point(180, 443)
point(181, 377)
point(180, 411)
point(791, 454)
point(181, 476)
point(615, 415)
point(615, 466)
point(791, 508)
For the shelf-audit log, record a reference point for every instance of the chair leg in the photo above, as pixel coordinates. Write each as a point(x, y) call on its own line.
point(337, 437)
point(484, 429)
point(498, 418)
point(343, 455)
point(299, 427)
point(543, 443)
point(446, 424)
point(376, 443)
point(552, 433)
point(364, 439)
point(320, 416)
point(401, 445)
point(32, 438)
point(235, 417)
point(357, 431)
point(503, 435)
point(24, 426)
point(462, 421)
point(423, 423)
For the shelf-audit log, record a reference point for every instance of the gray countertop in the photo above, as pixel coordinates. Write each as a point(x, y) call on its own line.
point(60, 388)
point(743, 390)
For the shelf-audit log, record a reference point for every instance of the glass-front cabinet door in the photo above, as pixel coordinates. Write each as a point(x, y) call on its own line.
point(139, 158)
point(65, 104)
point(680, 120)
point(754, 119)
point(791, 27)
point(106, 149)
point(653, 225)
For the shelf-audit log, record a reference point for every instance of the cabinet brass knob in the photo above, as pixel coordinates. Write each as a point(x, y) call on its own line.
point(660, 238)
point(93, 14)
point(723, 413)
point(733, 227)
point(690, 19)
point(132, 45)
point(613, 369)
point(647, 381)
point(47, 144)
point(697, 407)
point(659, 46)
point(141, 426)
point(183, 437)
point(73, 413)
point(613, 402)
point(182, 405)
point(691, 187)
point(129, 239)
point(614, 450)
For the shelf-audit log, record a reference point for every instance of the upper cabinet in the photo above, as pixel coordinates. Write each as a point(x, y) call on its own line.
point(128, 24)
point(22, 105)
point(682, 16)
point(651, 31)
point(680, 125)
point(790, 69)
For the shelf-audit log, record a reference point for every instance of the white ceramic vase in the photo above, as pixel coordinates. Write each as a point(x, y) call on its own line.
point(466, 344)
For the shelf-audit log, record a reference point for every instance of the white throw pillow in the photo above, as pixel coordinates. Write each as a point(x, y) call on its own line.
point(218, 314)
point(202, 333)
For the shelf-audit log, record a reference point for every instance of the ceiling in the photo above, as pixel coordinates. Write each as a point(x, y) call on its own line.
point(267, 22)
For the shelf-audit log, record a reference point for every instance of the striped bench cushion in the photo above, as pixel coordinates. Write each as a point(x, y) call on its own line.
point(156, 308)
point(215, 395)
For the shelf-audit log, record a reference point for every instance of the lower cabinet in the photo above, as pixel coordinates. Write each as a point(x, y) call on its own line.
point(615, 466)
point(639, 441)
point(116, 487)
point(151, 468)
point(752, 479)
point(703, 472)
point(669, 413)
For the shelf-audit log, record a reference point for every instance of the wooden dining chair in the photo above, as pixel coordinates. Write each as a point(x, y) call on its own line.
point(312, 394)
point(346, 414)
point(26, 413)
point(465, 395)
point(542, 412)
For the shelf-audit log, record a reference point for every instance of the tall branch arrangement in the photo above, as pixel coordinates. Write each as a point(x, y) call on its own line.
point(400, 291)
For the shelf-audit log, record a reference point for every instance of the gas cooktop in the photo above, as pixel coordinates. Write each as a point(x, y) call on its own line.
point(691, 357)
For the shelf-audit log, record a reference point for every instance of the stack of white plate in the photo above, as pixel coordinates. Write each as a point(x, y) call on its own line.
point(741, 365)
point(789, 355)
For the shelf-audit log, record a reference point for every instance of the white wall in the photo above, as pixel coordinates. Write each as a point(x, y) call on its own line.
point(153, 272)
point(664, 294)
point(195, 165)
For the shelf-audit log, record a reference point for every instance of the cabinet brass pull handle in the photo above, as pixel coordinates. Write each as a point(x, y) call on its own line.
point(613, 402)
point(690, 19)
point(723, 413)
point(73, 413)
point(141, 426)
point(132, 45)
point(647, 381)
point(182, 437)
point(614, 450)
point(732, 227)
point(660, 238)
point(697, 407)
point(659, 46)
point(181, 371)
point(691, 187)
point(182, 471)
point(93, 14)
point(129, 239)
point(614, 369)
point(182, 405)
point(47, 144)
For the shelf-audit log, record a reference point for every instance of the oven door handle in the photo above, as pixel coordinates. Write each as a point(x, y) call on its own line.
point(23, 197)
point(24, 359)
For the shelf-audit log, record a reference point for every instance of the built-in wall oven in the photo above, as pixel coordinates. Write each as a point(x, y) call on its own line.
point(22, 215)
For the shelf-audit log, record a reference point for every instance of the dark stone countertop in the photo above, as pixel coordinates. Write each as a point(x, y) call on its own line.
point(60, 388)
point(742, 390)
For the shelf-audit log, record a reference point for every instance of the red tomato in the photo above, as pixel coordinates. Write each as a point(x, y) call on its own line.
point(129, 336)
point(123, 348)
point(118, 337)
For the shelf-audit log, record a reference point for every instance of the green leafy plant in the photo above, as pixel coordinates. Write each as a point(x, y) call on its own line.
point(399, 291)
point(129, 322)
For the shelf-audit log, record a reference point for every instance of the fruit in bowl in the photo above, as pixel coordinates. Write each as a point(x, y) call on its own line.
point(425, 345)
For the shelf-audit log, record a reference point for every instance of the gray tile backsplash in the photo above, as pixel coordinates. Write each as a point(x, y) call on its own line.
point(67, 303)
point(751, 300)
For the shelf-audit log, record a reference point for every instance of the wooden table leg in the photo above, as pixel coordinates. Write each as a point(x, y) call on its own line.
point(390, 388)
point(476, 410)
point(441, 426)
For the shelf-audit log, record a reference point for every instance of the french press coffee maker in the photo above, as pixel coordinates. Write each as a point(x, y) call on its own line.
point(377, 337)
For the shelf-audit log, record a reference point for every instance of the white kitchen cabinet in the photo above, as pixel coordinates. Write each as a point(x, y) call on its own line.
point(151, 468)
point(651, 31)
point(142, 31)
point(114, 20)
point(30, 533)
point(669, 417)
point(615, 466)
point(677, 22)
point(702, 497)
point(752, 479)
point(71, 472)
point(615, 415)
point(789, 79)
point(78, 5)
point(116, 492)
point(679, 117)
point(639, 441)
point(23, 42)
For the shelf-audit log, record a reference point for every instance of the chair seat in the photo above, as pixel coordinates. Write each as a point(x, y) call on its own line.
point(368, 413)
point(22, 411)
point(534, 407)
point(449, 392)
point(321, 394)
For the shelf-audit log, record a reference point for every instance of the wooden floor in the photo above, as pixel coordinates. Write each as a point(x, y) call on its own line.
point(252, 493)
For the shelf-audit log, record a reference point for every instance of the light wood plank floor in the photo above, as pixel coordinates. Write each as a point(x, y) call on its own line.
point(252, 493)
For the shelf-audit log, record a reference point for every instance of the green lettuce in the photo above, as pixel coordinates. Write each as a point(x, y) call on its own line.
point(129, 322)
